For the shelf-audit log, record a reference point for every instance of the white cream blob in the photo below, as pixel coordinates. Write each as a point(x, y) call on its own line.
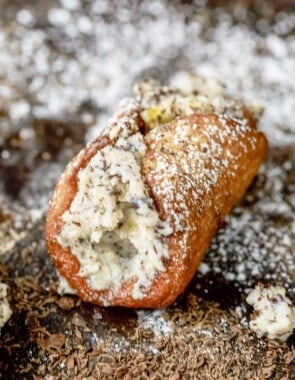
point(274, 314)
point(5, 310)
point(112, 226)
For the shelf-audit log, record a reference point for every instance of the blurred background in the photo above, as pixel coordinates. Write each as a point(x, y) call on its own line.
point(65, 64)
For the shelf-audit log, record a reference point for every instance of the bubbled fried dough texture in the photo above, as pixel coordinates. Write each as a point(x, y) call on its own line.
point(196, 169)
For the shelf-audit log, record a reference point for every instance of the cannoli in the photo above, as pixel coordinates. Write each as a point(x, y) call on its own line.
point(135, 211)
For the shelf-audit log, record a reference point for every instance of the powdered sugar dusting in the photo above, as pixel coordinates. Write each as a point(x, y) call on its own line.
point(263, 64)
point(203, 161)
point(77, 72)
point(258, 235)
point(156, 321)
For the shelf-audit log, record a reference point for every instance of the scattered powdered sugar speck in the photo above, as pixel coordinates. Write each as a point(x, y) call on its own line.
point(157, 321)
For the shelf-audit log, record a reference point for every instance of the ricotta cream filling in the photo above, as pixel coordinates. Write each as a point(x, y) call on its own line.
point(5, 311)
point(274, 314)
point(112, 226)
point(187, 95)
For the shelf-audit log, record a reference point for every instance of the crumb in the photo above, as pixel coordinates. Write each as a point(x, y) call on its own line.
point(274, 314)
point(5, 310)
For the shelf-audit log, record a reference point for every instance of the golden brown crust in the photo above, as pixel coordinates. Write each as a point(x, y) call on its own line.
point(196, 168)
point(203, 210)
